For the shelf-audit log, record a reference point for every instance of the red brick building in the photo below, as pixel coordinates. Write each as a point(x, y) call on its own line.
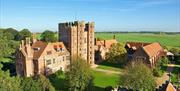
point(39, 57)
point(149, 53)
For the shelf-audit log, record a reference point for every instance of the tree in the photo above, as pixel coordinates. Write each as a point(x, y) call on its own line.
point(79, 76)
point(10, 33)
point(8, 47)
point(176, 52)
point(116, 53)
point(48, 36)
point(37, 83)
point(44, 83)
point(24, 33)
point(138, 77)
point(8, 83)
point(158, 70)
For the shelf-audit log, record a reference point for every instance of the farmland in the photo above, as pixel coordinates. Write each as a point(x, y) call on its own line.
point(168, 40)
point(164, 39)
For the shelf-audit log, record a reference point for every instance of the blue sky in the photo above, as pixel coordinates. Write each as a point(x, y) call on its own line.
point(108, 15)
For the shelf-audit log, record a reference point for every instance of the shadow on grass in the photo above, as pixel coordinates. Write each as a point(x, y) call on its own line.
point(115, 65)
point(58, 81)
point(95, 88)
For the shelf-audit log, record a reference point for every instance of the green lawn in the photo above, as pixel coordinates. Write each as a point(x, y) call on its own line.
point(103, 80)
point(166, 40)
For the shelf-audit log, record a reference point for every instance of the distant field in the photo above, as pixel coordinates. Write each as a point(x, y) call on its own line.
point(164, 39)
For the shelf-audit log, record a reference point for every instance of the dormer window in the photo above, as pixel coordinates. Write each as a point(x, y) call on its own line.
point(36, 49)
point(58, 48)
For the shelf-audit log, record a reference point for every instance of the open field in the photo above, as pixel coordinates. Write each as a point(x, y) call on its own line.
point(168, 40)
point(164, 39)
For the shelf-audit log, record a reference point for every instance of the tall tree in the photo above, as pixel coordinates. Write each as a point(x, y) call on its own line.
point(138, 77)
point(79, 76)
point(10, 33)
point(48, 36)
point(8, 83)
point(116, 53)
point(37, 83)
point(24, 33)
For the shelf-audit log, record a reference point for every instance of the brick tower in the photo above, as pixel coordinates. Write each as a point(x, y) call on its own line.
point(78, 37)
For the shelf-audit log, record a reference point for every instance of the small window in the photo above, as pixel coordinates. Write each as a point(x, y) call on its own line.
point(68, 57)
point(85, 40)
point(36, 49)
point(54, 61)
point(63, 58)
point(48, 62)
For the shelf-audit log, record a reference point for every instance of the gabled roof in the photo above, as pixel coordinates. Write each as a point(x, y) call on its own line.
point(170, 87)
point(41, 45)
point(152, 49)
point(136, 45)
point(106, 43)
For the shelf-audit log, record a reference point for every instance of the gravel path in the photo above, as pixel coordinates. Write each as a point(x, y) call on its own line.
point(103, 70)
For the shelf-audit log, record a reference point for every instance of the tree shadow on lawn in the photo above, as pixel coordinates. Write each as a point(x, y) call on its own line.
point(58, 82)
point(96, 88)
point(115, 65)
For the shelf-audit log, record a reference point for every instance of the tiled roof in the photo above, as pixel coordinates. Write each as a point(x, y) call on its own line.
point(41, 45)
point(106, 43)
point(152, 49)
point(136, 45)
point(170, 87)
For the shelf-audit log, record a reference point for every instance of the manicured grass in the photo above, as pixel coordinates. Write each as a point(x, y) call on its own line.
point(103, 80)
point(166, 40)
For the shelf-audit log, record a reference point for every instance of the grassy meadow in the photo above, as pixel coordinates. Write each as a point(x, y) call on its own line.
point(168, 40)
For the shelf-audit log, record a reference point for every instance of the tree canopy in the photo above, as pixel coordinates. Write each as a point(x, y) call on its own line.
point(116, 53)
point(79, 76)
point(24, 33)
point(7, 45)
point(138, 77)
point(48, 36)
point(37, 83)
point(8, 83)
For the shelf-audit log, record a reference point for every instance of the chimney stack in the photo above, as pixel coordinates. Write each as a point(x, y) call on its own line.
point(34, 38)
